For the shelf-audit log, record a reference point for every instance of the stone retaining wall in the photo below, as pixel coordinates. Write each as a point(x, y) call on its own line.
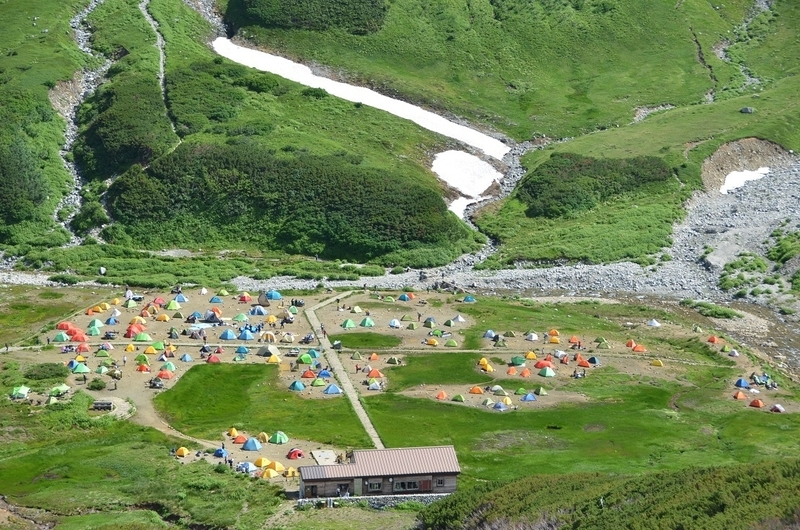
point(378, 502)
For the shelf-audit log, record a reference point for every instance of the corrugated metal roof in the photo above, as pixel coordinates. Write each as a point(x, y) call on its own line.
point(389, 462)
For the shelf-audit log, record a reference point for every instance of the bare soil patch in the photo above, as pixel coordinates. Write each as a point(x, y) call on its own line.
point(746, 154)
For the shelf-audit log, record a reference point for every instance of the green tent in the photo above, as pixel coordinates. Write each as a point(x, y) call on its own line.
point(375, 296)
point(102, 353)
point(141, 359)
point(413, 325)
point(372, 380)
point(107, 362)
point(61, 337)
point(59, 390)
point(540, 391)
point(178, 315)
point(173, 306)
point(348, 324)
point(436, 333)
point(500, 392)
point(356, 309)
point(223, 292)
point(95, 323)
point(451, 342)
point(101, 370)
point(449, 323)
point(93, 332)
point(520, 392)
point(547, 372)
point(241, 317)
point(725, 349)
point(367, 323)
point(393, 360)
point(81, 369)
point(293, 310)
point(509, 334)
point(305, 359)
point(51, 400)
point(20, 392)
point(389, 299)
point(169, 365)
point(129, 303)
point(459, 398)
point(319, 382)
point(604, 346)
point(356, 356)
point(598, 340)
point(406, 318)
point(158, 345)
point(430, 323)
point(278, 438)
point(500, 344)
point(142, 337)
point(487, 402)
point(518, 361)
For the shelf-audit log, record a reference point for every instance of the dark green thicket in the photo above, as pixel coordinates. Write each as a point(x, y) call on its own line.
point(22, 184)
point(741, 496)
point(355, 16)
point(126, 124)
point(568, 183)
point(326, 205)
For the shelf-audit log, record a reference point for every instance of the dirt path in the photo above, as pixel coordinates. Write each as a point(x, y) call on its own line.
point(339, 371)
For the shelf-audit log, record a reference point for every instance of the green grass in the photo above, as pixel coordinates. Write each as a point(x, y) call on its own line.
point(135, 520)
point(435, 369)
point(366, 340)
point(251, 397)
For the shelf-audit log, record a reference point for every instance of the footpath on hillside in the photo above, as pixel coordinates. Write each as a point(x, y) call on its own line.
point(339, 371)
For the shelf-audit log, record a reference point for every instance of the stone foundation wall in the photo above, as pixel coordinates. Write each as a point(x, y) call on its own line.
point(378, 502)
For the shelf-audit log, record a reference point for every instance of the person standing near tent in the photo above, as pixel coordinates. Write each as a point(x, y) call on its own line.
point(124, 360)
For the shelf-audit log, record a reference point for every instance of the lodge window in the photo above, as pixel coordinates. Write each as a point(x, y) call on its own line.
point(439, 482)
point(375, 486)
point(406, 486)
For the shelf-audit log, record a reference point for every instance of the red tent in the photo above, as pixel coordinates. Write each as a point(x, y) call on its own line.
point(639, 349)
point(713, 339)
point(549, 358)
point(64, 326)
point(82, 348)
point(543, 364)
point(213, 359)
point(165, 374)
point(240, 439)
point(308, 374)
point(89, 311)
point(245, 298)
point(219, 350)
point(142, 368)
point(375, 373)
point(565, 359)
point(295, 453)
point(757, 403)
point(159, 301)
point(631, 343)
point(79, 337)
point(73, 331)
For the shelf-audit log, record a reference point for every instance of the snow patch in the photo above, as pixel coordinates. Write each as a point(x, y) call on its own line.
point(736, 179)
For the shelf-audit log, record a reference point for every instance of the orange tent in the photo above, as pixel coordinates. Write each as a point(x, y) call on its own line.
point(240, 439)
point(713, 339)
point(543, 364)
point(574, 339)
point(79, 337)
point(411, 295)
point(639, 349)
point(511, 371)
point(165, 374)
point(375, 373)
point(89, 311)
point(73, 331)
point(631, 343)
point(577, 357)
point(64, 326)
point(525, 373)
point(82, 348)
point(757, 403)
point(739, 395)
point(144, 313)
point(308, 374)
point(217, 311)
point(441, 395)
point(476, 390)
point(549, 358)
point(554, 340)
point(373, 357)
point(584, 364)
point(142, 368)
point(553, 332)
point(565, 359)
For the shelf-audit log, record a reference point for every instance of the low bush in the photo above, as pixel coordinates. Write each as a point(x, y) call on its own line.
point(707, 309)
point(96, 384)
point(355, 16)
point(47, 371)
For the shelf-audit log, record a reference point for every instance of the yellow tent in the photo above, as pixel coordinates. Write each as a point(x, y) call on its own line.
point(80, 358)
point(274, 359)
point(97, 309)
point(182, 451)
point(270, 473)
point(483, 362)
point(130, 347)
point(291, 472)
point(268, 337)
point(530, 356)
point(150, 350)
point(104, 306)
point(657, 362)
point(171, 348)
point(137, 320)
point(432, 342)
point(232, 432)
point(263, 437)
point(554, 340)
point(553, 332)
point(262, 462)
point(272, 319)
point(506, 400)
point(277, 466)
point(163, 317)
point(488, 368)
point(115, 301)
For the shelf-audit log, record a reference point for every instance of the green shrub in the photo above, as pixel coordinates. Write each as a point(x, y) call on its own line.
point(47, 371)
point(355, 16)
point(96, 384)
point(67, 279)
point(707, 309)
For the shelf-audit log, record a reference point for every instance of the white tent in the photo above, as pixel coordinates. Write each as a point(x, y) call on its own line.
point(654, 323)
point(459, 318)
point(395, 324)
point(531, 337)
point(116, 312)
point(203, 291)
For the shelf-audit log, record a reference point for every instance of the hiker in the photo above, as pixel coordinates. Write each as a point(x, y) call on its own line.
point(223, 445)
point(419, 316)
point(358, 368)
point(6, 347)
point(124, 360)
point(48, 341)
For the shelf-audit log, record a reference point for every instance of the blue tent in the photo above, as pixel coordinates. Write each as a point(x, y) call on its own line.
point(111, 321)
point(227, 335)
point(332, 389)
point(403, 297)
point(258, 310)
point(246, 335)
point(313, 353)
point(274, 295)
point(246, 467)
point(324, 373)
point(500, 406)
point(162, 358)
point(297, 386)
point(221, 453)
point(215, 300)
point(530, 396)
point(181, 299)
point(186, 358)
point(742, 383)
point(72, 364)
point(252, 444)
point(242, 349)
point(489, 334)
point(470, 299)
point(594, 360)
point(196, 314)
